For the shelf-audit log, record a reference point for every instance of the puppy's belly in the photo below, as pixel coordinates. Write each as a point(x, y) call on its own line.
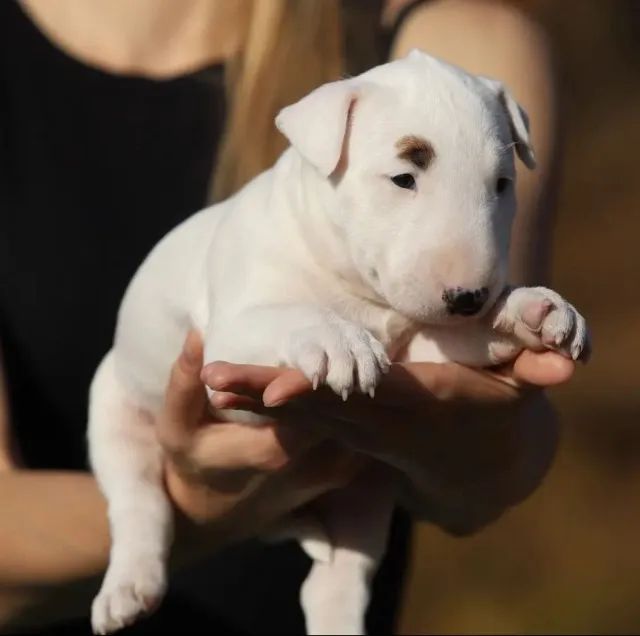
point(166, 298)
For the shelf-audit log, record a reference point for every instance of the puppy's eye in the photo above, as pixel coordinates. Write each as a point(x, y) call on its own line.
point(502, 184)
point(405, 181)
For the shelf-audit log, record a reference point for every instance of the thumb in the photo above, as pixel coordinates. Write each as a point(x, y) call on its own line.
point(185, 397)
point(542, 369)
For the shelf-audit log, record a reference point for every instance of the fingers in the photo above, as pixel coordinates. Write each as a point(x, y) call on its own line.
point(232, 447)
point(417, 382)
point(542, 369)
point(247, 379)
point(405, 385)
point(222, 446)
point(285, 387)
point(185, 398)
point(361, 423)
point(230, 401)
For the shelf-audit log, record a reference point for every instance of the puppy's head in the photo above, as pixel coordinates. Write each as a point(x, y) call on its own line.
point(421, 158)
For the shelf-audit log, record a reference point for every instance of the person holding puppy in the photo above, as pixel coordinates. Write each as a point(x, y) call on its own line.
point(114, 118)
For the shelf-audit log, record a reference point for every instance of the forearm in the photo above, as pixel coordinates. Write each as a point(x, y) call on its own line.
point(7, 448)
point(54, 545)
point(53, 535)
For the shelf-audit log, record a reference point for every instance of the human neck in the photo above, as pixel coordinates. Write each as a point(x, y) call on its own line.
point(153, 38)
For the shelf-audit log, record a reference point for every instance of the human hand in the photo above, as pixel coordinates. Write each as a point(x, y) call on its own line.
point(468, 443)
point(233, 480)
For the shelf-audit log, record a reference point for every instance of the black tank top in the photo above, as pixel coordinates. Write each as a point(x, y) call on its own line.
point(94, 169)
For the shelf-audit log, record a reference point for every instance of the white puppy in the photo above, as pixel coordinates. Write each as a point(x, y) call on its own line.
point(384, 227)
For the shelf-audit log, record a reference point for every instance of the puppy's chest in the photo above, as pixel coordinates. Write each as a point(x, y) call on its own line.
point(392, 329)
point(408, 341)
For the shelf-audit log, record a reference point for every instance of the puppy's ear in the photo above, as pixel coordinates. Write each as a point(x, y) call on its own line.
point(416, 54)
point(518, 121)
point(317, 124)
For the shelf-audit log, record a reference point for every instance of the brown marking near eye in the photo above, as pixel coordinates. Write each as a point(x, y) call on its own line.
point(417, 150)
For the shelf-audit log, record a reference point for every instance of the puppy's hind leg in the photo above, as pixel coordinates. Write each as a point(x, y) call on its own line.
point(127, 461)
point(335, 595)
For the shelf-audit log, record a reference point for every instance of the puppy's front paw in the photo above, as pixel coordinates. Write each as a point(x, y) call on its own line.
point(339, 354)
point(127, 594)
point(541, 318)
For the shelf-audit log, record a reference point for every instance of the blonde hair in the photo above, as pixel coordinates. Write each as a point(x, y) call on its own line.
point(291, 47)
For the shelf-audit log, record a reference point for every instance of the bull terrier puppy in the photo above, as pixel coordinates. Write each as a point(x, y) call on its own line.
point(384, 226)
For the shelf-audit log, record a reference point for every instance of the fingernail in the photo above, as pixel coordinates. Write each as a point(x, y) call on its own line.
point(270, 403)
point(190, 350)
point(210, 368)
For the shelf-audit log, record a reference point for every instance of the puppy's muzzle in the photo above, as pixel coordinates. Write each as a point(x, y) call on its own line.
point(465, 302)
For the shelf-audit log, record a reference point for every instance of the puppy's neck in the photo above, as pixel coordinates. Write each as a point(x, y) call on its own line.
point(313, 213)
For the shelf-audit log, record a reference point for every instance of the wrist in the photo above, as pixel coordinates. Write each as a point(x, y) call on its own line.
point(196, 535)
point(188, 496)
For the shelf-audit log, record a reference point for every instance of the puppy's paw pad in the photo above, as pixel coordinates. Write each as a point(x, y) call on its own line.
point(527, 307)
point(552, 322)
point(123, 599)
point(534, 311)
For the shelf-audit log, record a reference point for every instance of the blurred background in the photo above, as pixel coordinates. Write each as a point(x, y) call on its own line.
point(567, 560)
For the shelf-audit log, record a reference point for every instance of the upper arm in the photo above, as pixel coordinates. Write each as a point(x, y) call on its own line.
point(6, 455)
point(495, 40)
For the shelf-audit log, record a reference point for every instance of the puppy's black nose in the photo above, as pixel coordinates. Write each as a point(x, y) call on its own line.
point(465, 302)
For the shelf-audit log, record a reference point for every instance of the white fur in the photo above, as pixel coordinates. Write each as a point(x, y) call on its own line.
point(324, 264)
